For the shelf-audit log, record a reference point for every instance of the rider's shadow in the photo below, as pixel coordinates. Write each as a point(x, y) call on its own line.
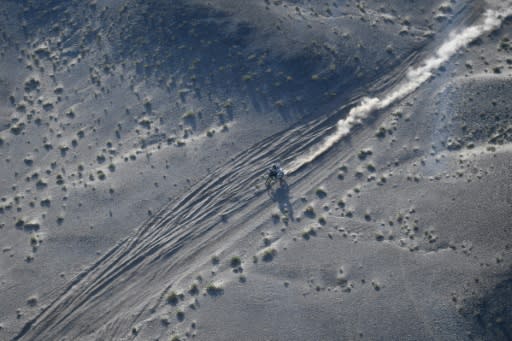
point(281, 195)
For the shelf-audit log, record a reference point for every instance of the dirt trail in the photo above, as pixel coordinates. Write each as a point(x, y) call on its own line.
point(221, 208)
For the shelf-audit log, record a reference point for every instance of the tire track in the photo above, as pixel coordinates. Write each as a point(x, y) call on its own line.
point(139, 258)
point(159, 251)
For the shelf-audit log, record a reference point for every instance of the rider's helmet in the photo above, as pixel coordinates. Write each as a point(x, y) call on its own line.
point(275, 167)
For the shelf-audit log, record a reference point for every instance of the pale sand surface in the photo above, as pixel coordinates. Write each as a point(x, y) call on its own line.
point(134, 137)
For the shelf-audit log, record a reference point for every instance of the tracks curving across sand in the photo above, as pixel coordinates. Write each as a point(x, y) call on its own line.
point(100, 303)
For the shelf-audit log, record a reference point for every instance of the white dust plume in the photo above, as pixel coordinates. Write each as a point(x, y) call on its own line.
point(414, 78)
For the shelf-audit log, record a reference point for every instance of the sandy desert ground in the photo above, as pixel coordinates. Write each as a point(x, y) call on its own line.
point(135, 138)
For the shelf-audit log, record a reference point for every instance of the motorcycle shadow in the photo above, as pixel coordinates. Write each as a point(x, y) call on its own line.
point(280, 193)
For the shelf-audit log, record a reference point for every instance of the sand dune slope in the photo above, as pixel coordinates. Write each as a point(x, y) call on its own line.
point(141, 187)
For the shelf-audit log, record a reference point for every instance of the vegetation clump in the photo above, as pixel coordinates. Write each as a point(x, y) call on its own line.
point(235, 262)
point(172, 298)
point(321, 193)
point(309, 212)
point(269, 254)
point(180, 315)
point(308, 232)
point(101, 175)
point(194, 289)
point(213, 289)
point(364, 153)
point(32, 301)
point(381, 132)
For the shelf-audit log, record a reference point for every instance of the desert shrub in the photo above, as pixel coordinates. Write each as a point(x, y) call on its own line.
point(214, 289)
point(235, 261)
point(32, 301)
point(308, 232)
point(309, 212)
point(381, 132)
point(269, 254)
point(101, 175)
point(341, 203)
point(321, 193)
point(363, 153)
point(194, 289)
point(172, 298)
